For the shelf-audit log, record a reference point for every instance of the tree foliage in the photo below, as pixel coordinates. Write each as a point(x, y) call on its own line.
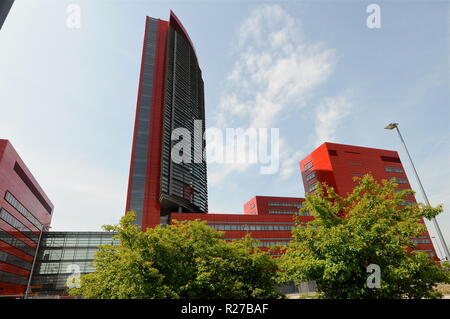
point(369, 226)
point(184, 260)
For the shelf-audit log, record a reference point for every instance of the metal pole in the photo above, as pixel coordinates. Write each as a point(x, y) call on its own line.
point(28, 289)
point(440, 251)
point(435, 223)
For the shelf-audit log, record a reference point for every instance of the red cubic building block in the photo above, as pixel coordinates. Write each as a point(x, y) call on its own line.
point(272, 205)
point(338, 164)
point(25, 211)
point(269, 230)
point(267, 219)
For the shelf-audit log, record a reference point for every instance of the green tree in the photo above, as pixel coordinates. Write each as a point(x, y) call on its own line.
point(184, 260)
point(369, 226)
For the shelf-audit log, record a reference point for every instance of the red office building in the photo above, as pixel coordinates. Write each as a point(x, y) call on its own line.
point(170, 96)
point(161, 190)
point(25, 211)
point(268, 219)
point(338, 164)
point(271, 205)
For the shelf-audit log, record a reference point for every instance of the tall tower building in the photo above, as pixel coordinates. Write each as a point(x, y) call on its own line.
point(338, 164)
point(5, 6)
point(170, 96)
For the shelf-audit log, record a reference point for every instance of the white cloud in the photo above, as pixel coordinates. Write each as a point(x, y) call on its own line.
point(274, 73)
point(274, 69)
point(289, 165)
point(328, 116)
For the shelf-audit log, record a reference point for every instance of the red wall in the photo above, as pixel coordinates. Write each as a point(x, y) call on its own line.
point(151, 211)
point(10, 181)
point(243, 219)
point(259, 205)
point(151, 214)
point(336, 165)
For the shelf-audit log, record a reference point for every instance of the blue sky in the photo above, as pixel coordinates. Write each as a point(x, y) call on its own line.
point(311, 68)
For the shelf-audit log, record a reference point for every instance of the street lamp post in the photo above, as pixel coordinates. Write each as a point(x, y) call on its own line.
point(28, 288)
point(440, 251)
point(434, 221)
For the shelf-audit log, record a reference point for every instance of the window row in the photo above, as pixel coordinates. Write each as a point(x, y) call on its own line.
point(12, 278)
point(399, 180)
point(289, 204)
point(69, 254)
point(289, 212)
point(79, 241)
point(14, 260)
point(10, 219)
point(310, 176)
point(392, 169)
point(272, 243)
point(16, 243)
point(312, 187)
point(245, 227)
point(407, 203)
point(308, 166)
point(421, 240)
point(65, 267)
point(21, 209)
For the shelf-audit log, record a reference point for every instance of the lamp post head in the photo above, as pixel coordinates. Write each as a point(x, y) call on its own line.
point(391, 126)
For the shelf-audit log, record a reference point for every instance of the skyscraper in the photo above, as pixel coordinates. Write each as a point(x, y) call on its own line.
point(170, 96)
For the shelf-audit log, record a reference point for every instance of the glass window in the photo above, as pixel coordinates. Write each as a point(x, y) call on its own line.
point(393, 169)
point(399, 180)
point(21, 209)
point(312, 187)
point(310, 176)
point(308, 166)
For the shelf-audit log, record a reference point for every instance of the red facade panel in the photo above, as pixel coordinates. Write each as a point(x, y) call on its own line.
point(273, 205)
point(338, 164)
point(245, 222)
point(151, 209)
point(20, 218)
point(133, 148)
point(151, 216)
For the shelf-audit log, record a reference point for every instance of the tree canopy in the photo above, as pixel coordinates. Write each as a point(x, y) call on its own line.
point(184, 260)
point(369, 226)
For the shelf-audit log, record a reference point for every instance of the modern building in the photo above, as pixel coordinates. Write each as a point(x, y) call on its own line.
point(162, 190)
point(65, 254)
point(271, 205)
point(267, 228)
point(170, 96)
point(5, 6)
point(25, 212)
point(338, 164)
point(267, 219)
